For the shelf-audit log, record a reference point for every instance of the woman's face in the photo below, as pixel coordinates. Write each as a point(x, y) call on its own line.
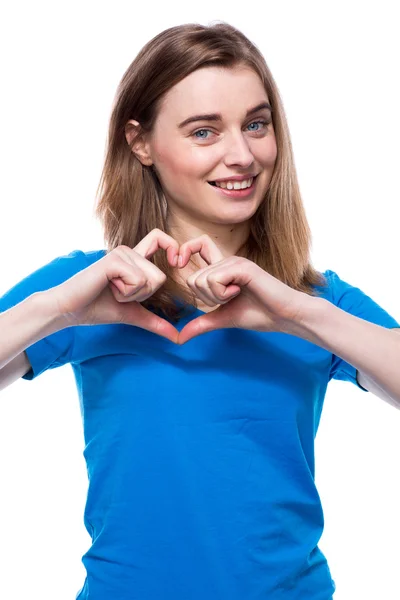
point(214, 125)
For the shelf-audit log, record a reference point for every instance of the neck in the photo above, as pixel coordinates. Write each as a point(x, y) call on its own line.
point(228, 237)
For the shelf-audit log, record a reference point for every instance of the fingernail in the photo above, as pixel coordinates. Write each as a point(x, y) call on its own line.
point(175, 260)
point(180, 262)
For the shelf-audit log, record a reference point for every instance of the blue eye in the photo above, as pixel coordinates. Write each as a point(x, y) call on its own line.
point(254, 127)
point(201, 137)
point(262, 123)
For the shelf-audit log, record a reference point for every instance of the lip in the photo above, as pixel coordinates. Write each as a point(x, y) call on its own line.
point(236, 193)
point(235, 178)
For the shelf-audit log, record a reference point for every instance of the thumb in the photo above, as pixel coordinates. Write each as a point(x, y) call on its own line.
point(136, 314)
point(220, 318)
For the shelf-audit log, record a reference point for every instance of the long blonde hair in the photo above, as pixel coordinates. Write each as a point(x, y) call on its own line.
point(131, 202)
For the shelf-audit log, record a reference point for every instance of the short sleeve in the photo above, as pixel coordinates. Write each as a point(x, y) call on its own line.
point(354, 301)
point(54, 350)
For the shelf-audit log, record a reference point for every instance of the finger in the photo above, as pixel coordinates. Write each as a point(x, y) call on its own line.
point(135, 282)
point(132, 281)
point(136, 292)
point(202, 291)
point(155, 240)
point(221, 292)
point(197, 282)
point(220, 318)
point(142, 280)
point(201, 294)
point(138, 315)
point(212, 284)
point(139, 290)
point(214, 296)
point(203, 245)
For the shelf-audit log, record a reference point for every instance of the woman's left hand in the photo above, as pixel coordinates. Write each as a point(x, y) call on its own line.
point(248, 297)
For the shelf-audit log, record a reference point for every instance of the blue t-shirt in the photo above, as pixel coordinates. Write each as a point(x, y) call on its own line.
point(200, 457)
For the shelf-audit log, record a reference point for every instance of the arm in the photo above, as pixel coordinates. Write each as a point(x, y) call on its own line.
point(373, 350)
point(67, 292)
point(24, 324)
point(267, 304)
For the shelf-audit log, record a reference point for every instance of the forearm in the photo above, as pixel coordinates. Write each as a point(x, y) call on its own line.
point(371, 349)
point(29, 321)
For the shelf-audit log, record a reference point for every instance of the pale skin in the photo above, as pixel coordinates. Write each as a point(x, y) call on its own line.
point(186, 158)
point(233, 291)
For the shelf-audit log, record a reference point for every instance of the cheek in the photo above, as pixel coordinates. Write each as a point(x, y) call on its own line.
point(180, 162)
point(272, 150)
point(267, 154)
point(168, 160)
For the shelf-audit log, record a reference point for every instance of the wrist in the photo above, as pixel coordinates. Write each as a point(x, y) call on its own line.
point(49, 307)
point(307, 319)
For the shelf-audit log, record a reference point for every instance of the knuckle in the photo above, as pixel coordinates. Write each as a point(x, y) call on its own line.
point(121, 248)
point(140, 280)
point(114, 255)
point(200, 281)
point(121, 253)
point(157, 282)
point(206, 238)
point(154, 272)
point(114, 259)
point(158, 233)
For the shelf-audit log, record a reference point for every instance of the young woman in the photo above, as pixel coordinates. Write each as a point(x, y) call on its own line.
point(200, 455)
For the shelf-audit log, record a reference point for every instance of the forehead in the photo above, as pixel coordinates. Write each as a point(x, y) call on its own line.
point(214, 89)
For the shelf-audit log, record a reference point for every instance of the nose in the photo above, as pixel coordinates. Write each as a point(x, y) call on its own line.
point(237, 151)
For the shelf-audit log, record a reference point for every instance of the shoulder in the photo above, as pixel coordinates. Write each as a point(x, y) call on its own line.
point(336, 287)
point(355, 301)
point(73, 262)
point(89, 256)
point(84, 256)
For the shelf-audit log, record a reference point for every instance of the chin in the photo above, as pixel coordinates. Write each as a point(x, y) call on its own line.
point(235, 216)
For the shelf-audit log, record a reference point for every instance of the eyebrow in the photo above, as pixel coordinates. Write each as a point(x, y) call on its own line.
point(218, 117)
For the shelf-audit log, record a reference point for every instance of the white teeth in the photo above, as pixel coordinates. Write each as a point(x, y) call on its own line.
point(235, 185)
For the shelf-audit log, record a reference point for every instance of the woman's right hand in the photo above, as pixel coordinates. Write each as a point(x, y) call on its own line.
point(110, 290)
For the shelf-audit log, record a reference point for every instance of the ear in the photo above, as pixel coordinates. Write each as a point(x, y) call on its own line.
point(140, 147)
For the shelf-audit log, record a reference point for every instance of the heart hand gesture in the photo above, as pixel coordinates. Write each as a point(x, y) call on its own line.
point(110, 291)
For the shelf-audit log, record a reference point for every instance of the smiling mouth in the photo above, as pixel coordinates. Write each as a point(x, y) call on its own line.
point(234, 185)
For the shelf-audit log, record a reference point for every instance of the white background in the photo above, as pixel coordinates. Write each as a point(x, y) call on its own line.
point(336, 65)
